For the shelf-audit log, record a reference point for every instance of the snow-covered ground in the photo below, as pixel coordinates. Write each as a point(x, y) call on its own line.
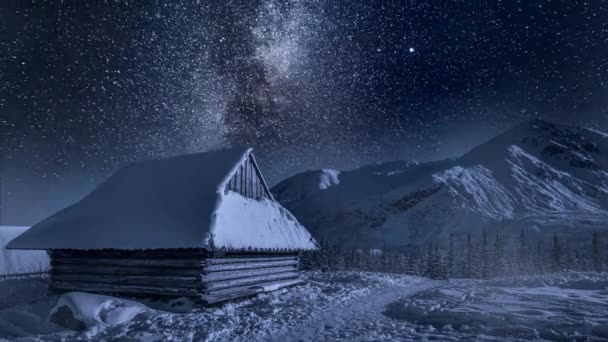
point(330, 306)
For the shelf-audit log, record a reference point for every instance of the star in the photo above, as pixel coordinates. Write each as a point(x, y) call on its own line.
point(412, 50)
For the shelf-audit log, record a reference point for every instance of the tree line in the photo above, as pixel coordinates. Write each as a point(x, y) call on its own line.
point(482, 258)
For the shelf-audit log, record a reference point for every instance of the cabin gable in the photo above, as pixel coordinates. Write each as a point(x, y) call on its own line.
point(248, 181)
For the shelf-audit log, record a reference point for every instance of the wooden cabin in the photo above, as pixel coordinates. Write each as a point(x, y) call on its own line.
point(201, 225)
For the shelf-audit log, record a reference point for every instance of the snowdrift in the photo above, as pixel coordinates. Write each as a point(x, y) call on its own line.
point(13, 262)
point(78, 311)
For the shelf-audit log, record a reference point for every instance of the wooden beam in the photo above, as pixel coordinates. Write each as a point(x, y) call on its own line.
point(210, 300)
point(188, 253)
point(124, 270)
point(221, 261)
point(235, 289)
point(130, 289)
point(171, 281)
point(225, 284)
point(187, 263)
point(248, 265)
point(226, 275)
point(259, 173)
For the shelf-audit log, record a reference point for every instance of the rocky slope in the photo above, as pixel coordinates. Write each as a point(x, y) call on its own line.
point(539, 176)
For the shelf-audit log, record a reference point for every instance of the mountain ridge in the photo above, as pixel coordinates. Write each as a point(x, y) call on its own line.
point(538, 176)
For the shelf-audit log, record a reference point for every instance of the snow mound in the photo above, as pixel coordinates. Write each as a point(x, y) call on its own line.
point(13, 262)
point(329, 177)
point(76, 310)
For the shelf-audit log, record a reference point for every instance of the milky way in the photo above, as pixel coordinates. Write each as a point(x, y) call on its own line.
point(89, 86)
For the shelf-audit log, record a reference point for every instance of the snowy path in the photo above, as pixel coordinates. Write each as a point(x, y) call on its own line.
point(360, 316)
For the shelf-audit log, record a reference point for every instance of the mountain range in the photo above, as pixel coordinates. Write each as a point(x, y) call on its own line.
point(539, 177)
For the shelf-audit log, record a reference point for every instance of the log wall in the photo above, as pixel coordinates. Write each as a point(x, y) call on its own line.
point(187, 272)
point(232, 277)
point(154, 272)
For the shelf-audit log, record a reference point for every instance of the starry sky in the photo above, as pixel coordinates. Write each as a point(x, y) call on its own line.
point(89, 86)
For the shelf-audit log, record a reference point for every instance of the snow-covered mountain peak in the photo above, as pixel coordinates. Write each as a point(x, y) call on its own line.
point(328, 178)
point(538, 175)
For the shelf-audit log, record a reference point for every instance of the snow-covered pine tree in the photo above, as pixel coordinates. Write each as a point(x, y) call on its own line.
point(440, 264)
point(539, 259)
point(523, 259)
point(460, 264)
point(426, 260)
point(596, 256)
point(435, 267)
point(469, 257)
point(568, 263)
point(498, 258)
point(412, 263)
point(384, 259)
point(484, 262)
point(338, 259)
point(450, 258)
point(556, 254)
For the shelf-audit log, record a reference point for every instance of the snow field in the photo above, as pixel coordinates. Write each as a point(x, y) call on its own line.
point(332, 306)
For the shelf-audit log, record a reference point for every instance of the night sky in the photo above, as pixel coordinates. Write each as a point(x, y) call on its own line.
point(89, 86)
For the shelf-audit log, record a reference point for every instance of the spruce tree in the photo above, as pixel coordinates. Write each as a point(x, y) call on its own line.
point(522, 254)
point(451, 256)
point(412, 264)
point(428, 261)
point(498, 264)
point(469, 257)
point(484, 256)
point(556, 254)
point(539, 259)
point(596, 257)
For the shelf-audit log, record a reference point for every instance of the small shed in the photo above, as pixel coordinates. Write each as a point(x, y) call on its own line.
point(200, 225)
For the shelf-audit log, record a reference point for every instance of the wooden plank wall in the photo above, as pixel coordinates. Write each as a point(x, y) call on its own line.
point(190, 273)
point(232, 277)
point(164, 272)
point(247, 181)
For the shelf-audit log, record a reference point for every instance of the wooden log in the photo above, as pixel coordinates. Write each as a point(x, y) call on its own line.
point(248, 265)
point(227, 275)
point(217, 285)
point(131, 254)
point(279, 284)
point(190, 282)
point(209, 299)
point(128, 289)
point(221, 261)
point(246, 253)
point(212, 297)
point(221, 292)
point(129, 262)
point(125, 270)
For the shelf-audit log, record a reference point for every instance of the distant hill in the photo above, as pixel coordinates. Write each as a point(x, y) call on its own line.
point(538, 176)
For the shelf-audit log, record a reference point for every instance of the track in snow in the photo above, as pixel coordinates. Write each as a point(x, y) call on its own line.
point(360, 317)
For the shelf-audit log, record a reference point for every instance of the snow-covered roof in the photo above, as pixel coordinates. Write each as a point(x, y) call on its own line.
point(175, 202)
